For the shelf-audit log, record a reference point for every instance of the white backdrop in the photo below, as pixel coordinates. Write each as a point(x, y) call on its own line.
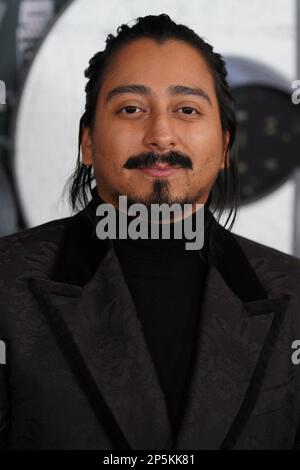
point(53, 97)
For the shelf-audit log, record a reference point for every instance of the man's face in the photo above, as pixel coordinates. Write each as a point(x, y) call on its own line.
point(157, 140)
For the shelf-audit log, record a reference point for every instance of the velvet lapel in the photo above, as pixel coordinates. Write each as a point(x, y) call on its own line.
point(242, 310)
point(94, 320)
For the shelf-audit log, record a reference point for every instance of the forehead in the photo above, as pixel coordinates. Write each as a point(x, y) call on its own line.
point(158, 65)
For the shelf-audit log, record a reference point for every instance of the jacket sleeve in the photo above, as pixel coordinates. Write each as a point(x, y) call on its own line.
point(4, 407)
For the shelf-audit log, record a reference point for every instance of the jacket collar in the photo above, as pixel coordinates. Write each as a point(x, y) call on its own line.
point(91, 313)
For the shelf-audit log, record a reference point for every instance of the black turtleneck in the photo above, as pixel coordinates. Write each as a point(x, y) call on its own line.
point(166, 283)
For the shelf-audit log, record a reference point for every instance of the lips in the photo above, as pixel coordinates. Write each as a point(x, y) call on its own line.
point(159, 170)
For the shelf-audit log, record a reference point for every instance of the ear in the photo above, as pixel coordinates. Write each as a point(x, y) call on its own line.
point(86, 146)
point(226, 138)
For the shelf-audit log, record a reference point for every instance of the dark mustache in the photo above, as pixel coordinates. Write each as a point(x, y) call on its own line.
point(146, 160)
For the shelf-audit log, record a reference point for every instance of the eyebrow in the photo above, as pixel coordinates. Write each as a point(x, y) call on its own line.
point(173, 90)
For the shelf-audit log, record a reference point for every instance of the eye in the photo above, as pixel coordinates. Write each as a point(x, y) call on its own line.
point(189, 109)
point(131, 109)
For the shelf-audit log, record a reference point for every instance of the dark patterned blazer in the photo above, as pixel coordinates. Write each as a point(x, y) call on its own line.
point(78, 373)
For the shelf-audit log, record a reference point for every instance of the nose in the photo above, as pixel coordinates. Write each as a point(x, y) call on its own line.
point(159, 134)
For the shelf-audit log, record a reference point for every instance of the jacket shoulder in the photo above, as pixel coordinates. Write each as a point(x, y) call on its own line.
point(275, 258)
point(32, 246)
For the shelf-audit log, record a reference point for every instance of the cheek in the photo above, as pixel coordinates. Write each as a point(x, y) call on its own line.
point(106, 153)
point(206, 169)
point(115, 145)
point(208, 156)
point(204, 139)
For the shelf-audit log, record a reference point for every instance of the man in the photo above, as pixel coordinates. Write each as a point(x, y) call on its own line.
point(139, 343)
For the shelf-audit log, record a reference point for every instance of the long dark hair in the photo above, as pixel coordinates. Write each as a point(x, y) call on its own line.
point(225, 192)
